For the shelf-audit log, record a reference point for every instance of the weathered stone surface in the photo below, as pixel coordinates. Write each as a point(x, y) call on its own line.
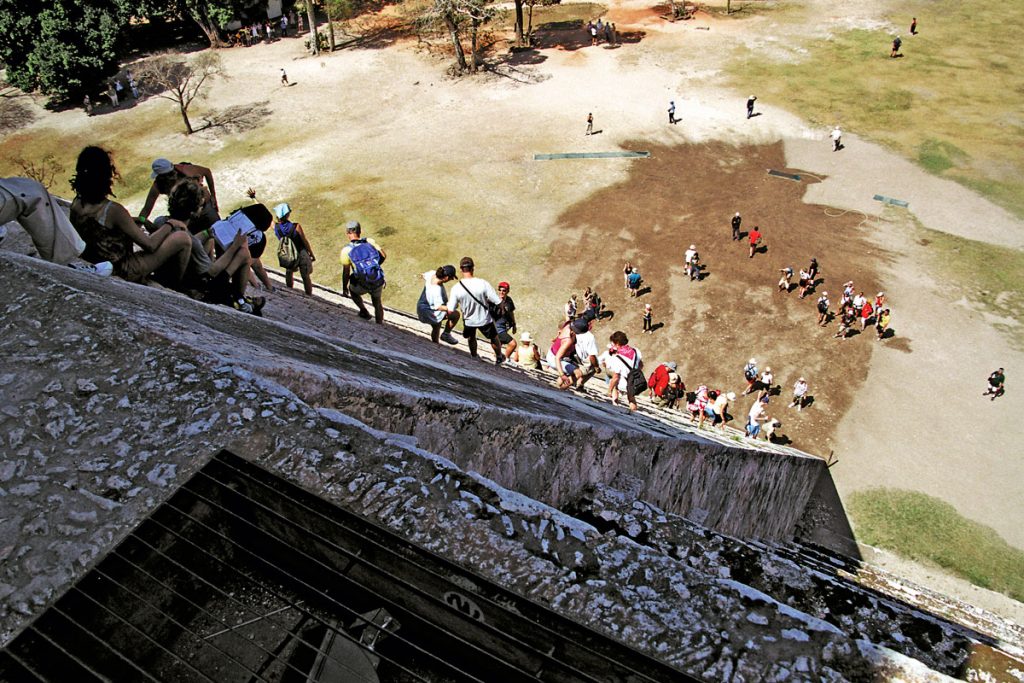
point(169, 374)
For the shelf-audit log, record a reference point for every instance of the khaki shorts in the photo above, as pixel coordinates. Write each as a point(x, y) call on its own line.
point(305, 264)
point(132, 268)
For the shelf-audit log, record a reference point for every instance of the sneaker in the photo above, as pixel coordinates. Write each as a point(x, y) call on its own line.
point(499, 360)
point(243, 306)
point(449, 339)
point(103, 268)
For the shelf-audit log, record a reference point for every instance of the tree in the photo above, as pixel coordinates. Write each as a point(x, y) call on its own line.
point(179, 80)
point(454, 15)
point(62, 47)
point(314, 37)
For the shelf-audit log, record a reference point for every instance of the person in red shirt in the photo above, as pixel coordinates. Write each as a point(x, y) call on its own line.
point(755, 240)
point(658, 381)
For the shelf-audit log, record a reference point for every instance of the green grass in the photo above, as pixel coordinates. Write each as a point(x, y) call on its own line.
point(927, 529)
point(946, 104)
point(989, 276)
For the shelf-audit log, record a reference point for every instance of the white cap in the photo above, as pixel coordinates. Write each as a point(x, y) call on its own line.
point(752, 361)
point(731, 396)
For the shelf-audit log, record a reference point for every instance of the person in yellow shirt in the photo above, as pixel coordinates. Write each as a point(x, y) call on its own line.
point(361, 271)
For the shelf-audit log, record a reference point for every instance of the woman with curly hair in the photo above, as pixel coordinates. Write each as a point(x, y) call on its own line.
point(110, 233)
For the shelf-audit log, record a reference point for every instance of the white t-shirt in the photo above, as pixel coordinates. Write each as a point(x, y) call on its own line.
point(622, 366)
point(688, 256)
point(434, 295)
point(756, 411)
point(586, 346)
point(473, 314)
point(800, 388)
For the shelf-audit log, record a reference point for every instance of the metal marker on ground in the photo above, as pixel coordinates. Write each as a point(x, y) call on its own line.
point(781, 174)
point(890, 200)
point(592, 155)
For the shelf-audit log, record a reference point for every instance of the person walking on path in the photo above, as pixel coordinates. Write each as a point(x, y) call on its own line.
point(471, 295)
point(996, 384)
point(608, 32)
point(284, 77)
point(590, 123)
point(648, 316)
point(87, 103)
point(112, 94)
point(736, 221)
point(593, 33)
point(799, 394)
point(882, 323)
point(720, 409)
point(672, 112)
point(361, 271)
point(913, 26)
point(287, 230)
point(837, 139)
point(505, 319)
point(750, 106)
point(755, 240)
point(634, 282)
point(688, 257)
point(867, 312)
point(432, 307)
point(786, 280)
point(750, 374)
point(754, 419)
point(622, 363)
point(823, 304)
point(570, 309)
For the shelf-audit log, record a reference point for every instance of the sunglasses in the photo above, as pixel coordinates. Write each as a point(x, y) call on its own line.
point(502, 289)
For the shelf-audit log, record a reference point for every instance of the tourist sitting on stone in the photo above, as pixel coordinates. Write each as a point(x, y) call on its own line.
point(110, 233)
point(222, 280)
point(26, 201)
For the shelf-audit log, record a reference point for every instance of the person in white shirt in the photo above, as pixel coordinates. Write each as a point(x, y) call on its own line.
point(837, 142)
point(799, 394)
point(471, 295)
point(432, 307)
point(621, 363)
point(688, 260)
point(586, 347)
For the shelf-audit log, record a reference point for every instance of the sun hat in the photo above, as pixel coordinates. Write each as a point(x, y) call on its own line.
point(767, 369)
point(647, 305)
point(448, 271)
point(525, 337)
point(752, 361)
point(161, 166)
point(282, 210)
point(731, 396)
point(694, 246)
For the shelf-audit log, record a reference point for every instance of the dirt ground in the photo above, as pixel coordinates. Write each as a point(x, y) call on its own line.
point(687, 195)
point(444, 168)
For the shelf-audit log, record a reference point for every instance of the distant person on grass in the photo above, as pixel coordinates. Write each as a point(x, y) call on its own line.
point(648, 318)
point(590, 124)
point(822, 305)
point(913, 26)
point(671, 111)
point(432, 307)
point(750, 106)
point(737, 220)
point(472, 295)
point(996, 384)
point(896, 43)
point(302, 252)
point(799, 394)
point(361, 271)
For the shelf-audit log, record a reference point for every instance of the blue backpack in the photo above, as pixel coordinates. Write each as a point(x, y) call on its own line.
point(366, 270)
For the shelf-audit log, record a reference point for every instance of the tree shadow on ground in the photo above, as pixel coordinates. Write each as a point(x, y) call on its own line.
point(238, 119)
point(573, 35)
point(373, 33)
point(511, 65)
point(14, 114)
